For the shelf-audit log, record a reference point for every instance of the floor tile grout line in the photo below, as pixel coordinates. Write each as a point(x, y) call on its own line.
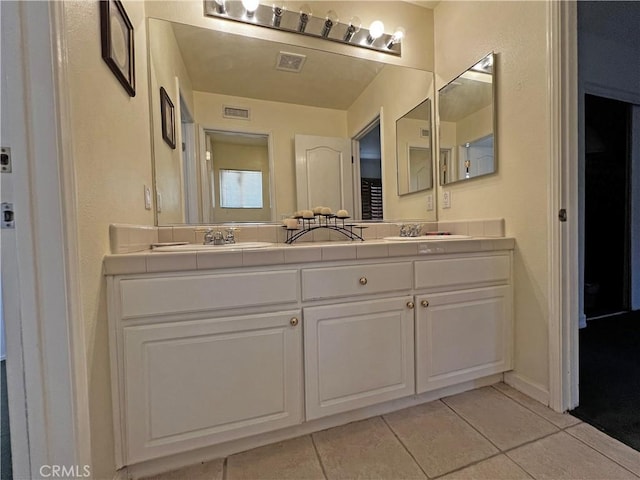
point(384, 420)
point(315, 449)
point(509, 450)
point(476, 462)
point(531, 410)
point(603, 453)
point(442, 400)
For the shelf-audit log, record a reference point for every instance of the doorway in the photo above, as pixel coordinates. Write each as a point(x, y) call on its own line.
point(607, 206)
point(370, 155)
point(238, 176)
point(608, 346)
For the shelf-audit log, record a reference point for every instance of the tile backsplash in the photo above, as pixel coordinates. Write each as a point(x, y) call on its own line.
point(135, 238)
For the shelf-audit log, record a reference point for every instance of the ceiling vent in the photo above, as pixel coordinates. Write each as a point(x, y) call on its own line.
point(290, 62)
point(425, 133)
point(236, 112)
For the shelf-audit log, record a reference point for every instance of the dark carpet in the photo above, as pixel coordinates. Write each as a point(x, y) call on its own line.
point(6, 472)
point(610, 377)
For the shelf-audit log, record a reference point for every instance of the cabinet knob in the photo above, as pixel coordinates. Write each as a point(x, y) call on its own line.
point(363, 280)
point(293, 321)
point(410, 304)
point(424, 303)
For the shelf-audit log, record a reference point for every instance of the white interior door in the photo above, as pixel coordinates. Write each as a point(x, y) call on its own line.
point(324, 175)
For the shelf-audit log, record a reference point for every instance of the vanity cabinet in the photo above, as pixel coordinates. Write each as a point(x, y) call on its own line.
point(462, 332)
point(200, 358)
point(357, 354)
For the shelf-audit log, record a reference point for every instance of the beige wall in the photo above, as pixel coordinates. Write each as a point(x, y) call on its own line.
point(279, 120)
point(167, 70)
point(516, 31)
point(112, 154)
point(394, 92)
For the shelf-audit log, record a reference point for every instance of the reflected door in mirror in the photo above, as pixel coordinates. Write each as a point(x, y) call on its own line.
point(414, 155)
point(323, 173)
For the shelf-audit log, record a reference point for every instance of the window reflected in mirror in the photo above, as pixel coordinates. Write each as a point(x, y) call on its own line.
point(467, 124)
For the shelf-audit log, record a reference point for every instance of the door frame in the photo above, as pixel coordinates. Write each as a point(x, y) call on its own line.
point(562, 190)
point(355, 155)
point(49, 405)
point(202, 131)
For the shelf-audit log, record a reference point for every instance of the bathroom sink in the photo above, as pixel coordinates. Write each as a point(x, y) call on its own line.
point(423, 238)
point(192, 247)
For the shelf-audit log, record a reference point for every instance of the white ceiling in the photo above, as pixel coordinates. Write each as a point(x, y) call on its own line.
point(228, 64)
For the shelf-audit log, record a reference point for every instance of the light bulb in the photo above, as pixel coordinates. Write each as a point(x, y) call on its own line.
point(221, 6)
point(330, 20)
point(397, 37)
point(352, 28)
point(250, 6)
point(376, 29)
point(305, 14)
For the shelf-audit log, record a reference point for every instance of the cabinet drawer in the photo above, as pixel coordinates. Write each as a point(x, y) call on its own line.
point(352, 280)
point(142, 297)
point(442, 274)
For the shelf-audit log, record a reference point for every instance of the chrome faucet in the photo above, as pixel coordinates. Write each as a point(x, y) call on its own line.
point(213, 238)
point(230, 238)
point(216, 237)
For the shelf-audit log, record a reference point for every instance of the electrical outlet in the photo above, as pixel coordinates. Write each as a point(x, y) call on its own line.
point(147, 198)
point(446, 199)
point(429, 202)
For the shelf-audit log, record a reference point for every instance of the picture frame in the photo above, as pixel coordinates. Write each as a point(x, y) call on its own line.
point(167, 114)
point(118, 43)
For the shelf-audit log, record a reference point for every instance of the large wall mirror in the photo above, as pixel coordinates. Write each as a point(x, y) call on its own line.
point(466, 108)
point(414, 150)
point(229, 89)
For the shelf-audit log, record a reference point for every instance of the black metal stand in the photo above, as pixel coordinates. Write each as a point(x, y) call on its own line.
point(331, 222)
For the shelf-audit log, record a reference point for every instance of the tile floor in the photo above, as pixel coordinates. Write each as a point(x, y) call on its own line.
point(490, 433)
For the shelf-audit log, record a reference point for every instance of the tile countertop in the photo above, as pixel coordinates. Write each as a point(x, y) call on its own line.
point(282, 254)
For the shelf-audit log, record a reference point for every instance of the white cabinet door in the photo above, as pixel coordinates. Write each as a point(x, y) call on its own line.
point(195, 383)
point(357, 354)
point(462, 335)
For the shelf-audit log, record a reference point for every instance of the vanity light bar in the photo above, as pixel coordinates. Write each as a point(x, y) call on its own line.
point(305, 22)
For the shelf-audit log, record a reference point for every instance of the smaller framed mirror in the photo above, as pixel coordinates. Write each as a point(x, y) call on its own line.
point(414, 151)
point(466, 108)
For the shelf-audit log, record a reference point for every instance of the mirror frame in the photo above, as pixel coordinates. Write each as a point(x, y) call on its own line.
point(494, 123)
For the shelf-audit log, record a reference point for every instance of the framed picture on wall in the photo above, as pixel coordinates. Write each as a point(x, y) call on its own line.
point(168, 118)
point(117, 43)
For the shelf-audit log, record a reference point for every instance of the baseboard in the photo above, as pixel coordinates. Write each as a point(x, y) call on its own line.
point(528, 387)
point(174, 462)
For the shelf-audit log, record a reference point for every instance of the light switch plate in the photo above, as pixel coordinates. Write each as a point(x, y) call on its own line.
point(429, 202)
point(147, 198)
point(446, 199)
